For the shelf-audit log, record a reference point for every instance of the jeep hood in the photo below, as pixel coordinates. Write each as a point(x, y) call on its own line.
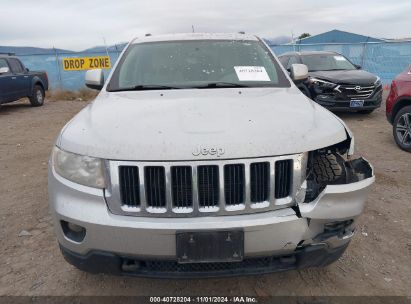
point(171, 124)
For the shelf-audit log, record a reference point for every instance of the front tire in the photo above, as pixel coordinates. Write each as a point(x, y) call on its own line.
point(402, 128)
point(37, 97)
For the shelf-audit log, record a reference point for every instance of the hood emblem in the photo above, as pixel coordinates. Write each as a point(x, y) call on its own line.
point(358, 88)
point(204, 151)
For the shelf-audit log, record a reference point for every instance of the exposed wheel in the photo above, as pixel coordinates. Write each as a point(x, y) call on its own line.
point(37, 97)
point(328, 169)
point(402, 128)
point(366, 112)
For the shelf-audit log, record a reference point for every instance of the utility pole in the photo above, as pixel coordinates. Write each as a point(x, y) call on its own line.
point(192, 26)
point(105, 44)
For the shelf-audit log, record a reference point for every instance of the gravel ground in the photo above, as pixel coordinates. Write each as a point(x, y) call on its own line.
point(376, 263)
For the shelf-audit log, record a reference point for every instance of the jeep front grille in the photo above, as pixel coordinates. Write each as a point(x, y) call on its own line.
point(204, 188)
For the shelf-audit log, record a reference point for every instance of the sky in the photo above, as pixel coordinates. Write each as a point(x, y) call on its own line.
point(80, 24)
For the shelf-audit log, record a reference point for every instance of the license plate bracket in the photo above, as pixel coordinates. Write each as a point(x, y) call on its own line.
point(357, 103)
point(206, 247)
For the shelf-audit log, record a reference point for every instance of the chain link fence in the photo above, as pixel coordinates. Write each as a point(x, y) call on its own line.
point(383, 59)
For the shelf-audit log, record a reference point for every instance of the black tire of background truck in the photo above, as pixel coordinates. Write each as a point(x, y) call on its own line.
point(327, 169)
point(400, 113)
point(35, 99)
point(366, 112)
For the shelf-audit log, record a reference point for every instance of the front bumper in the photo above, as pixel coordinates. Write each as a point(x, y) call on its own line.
point(331, 103)
point(109, 263)
point(280, 233)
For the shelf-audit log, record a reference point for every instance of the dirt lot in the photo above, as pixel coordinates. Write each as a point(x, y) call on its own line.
point(376, 263)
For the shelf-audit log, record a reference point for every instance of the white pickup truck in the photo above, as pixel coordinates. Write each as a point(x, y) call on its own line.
point(200, 157)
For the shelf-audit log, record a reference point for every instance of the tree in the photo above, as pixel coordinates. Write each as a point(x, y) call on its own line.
point(304, 35)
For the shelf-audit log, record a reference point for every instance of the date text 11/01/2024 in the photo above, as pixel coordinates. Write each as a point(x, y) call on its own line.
point(204, 299)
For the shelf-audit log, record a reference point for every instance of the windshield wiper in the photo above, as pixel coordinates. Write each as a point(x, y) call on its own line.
point(146, 87)
point(221, 84)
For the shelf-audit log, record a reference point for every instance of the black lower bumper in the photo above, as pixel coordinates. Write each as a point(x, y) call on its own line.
point(109, 263)
point(345, 105)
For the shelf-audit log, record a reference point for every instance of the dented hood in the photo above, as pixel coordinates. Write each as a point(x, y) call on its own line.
point(174, 124)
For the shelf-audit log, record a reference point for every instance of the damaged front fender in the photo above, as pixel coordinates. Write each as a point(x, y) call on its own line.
point(342, 201)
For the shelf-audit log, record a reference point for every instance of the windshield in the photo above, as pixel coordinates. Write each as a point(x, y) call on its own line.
point(327, 62)
point(197, 64)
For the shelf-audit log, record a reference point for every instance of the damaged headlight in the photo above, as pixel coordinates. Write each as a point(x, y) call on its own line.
point(322, 85)
point(81, 169)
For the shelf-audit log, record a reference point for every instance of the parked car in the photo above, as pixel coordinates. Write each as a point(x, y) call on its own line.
point(16, 82)
point(200, 157)
point(336, 83)
point(398, 109)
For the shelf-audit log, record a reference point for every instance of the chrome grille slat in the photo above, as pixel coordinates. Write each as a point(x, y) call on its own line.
point(182, 192)
point(204, 188)
point(208, 186)
point(234, 184)
point(155, 185)
point(129, 185)
point(260, 182)
point(351, 92)
point(283, 178)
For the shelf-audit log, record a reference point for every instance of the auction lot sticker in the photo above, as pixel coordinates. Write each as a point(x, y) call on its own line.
point(86, 63)
point(251, 73)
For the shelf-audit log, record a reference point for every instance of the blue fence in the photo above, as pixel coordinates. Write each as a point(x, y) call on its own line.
point(58, 78)
point(386, 59)
point(383, 59)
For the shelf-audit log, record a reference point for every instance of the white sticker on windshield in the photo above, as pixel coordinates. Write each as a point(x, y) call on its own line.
point(339, 58)
point(251, 73)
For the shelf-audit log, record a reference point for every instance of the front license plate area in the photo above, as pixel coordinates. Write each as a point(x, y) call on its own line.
point(204, 247)
point(357, 103)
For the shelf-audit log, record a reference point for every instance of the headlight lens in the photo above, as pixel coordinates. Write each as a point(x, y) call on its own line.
point(378, 81)
point(84, 170)
point(322, 84)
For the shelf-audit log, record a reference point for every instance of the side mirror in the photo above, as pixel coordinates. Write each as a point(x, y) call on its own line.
point(358, 67)
point(4, 70)
point(27, 70)
point(95, 79)
point(299, 72)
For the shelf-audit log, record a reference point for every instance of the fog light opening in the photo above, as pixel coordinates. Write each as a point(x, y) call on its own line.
point(130, 265)
point(73, 231)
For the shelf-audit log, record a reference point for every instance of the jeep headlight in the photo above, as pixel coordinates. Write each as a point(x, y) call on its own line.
point(81, 169)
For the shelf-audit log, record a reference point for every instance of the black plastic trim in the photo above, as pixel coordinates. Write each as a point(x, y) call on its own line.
point(110, 263)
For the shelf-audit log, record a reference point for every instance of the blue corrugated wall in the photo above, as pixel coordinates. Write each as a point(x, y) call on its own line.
point(383, 59)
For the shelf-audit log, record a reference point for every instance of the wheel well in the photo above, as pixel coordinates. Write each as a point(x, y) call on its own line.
point(39, 84)
point(399, 105)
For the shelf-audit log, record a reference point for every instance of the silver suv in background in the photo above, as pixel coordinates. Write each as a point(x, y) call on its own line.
point(200, 157)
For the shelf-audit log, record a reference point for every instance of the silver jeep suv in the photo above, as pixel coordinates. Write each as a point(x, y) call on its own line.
point(200, 157)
